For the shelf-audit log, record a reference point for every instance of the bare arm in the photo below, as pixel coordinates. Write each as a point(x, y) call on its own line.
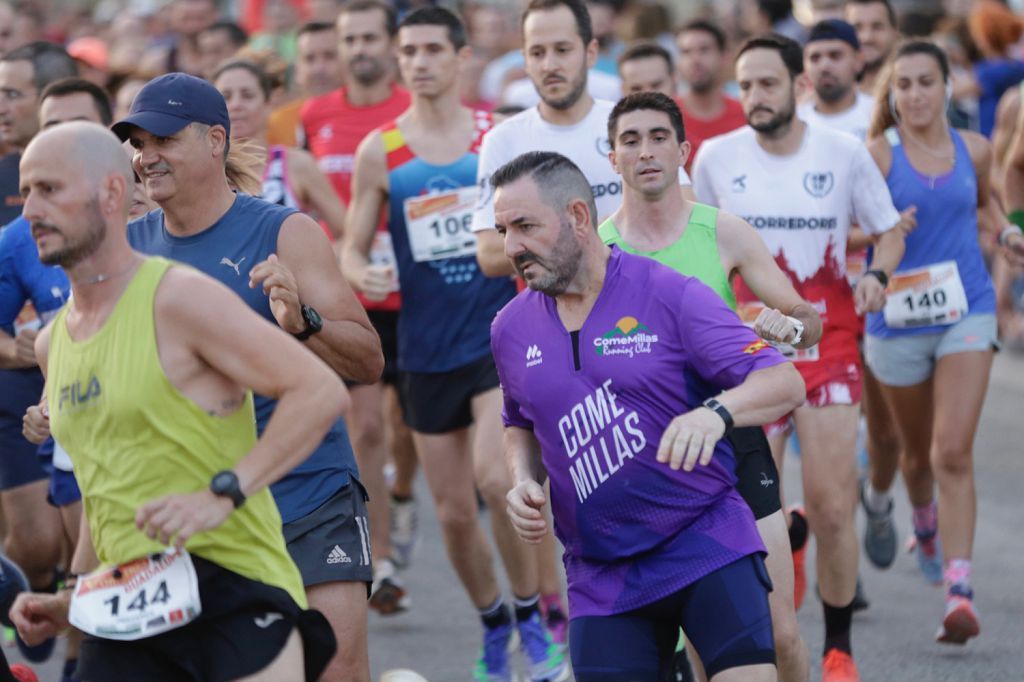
point(522, 454)
point(1007, 114)
point(347, 342)
point(527, 498)
point(749, 256)
point(17, 352)
point(490, 254)
point(369, 192)
point(1013, 173)
point(316, 192)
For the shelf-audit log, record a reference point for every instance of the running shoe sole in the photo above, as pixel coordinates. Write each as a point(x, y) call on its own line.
point(958, 626)
point(389, 599)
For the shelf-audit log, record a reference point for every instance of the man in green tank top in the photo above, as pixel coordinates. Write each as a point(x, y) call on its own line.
point(151, 370)
point(648, 147)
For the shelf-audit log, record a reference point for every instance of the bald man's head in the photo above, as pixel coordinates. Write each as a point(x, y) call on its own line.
point(77, 184)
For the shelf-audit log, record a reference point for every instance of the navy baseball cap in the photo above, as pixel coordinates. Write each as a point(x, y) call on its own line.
point(169, 103)
point(834, 29)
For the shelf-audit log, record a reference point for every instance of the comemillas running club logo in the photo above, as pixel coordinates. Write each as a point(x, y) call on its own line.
point(628, 337)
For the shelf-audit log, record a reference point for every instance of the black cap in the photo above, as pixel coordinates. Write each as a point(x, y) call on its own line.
point(169, 103)
point(834, 29)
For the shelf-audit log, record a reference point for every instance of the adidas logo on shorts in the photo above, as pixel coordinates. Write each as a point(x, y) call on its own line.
point(338, 556)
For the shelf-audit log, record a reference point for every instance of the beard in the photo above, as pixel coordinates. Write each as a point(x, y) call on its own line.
point(832, 92)
point(560, 266)
point(367, 70)
point(578, 86)
point(778, 121)
point(86, 244)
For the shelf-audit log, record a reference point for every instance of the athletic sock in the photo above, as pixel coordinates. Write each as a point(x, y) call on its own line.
point(877, 501)
point(797, 531)
point(526, 607)
point(551, 602)
point(837, 627)
point(926, 520)
point(400, 498)
point(957, 578)
point(70, 665)
point(496, 615)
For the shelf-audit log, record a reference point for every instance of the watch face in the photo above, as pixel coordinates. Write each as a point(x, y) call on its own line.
point(223, 481)
point(312, 317)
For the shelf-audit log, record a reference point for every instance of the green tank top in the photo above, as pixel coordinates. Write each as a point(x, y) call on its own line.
point(695, 254)
point(133, 438)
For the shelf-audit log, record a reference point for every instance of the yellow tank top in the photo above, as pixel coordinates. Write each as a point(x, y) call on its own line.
point(133, 438)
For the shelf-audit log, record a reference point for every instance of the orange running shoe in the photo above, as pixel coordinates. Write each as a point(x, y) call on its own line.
point(960, 623)
point(23, 673)
point(838, 666)
point(799, 565)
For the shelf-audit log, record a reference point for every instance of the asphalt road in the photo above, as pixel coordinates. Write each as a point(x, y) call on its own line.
point(893, 641)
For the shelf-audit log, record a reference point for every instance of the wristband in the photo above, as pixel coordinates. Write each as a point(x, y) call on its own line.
point(880, 275)
point(1008, 232)
point(1016, 217)
point(719, 409)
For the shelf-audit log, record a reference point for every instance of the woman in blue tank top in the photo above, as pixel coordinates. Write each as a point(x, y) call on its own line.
point(291, 177)
point(932, 346)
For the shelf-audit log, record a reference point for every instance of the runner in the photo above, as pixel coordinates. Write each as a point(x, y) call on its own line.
point(648, 147)
point(150, 381)
point(832, 60)
point(707, 110)
point(875, 23)
point(291, 177)
point(932, 345)
point(334, 125)
point(801, 188)
point(424, 165)
point(590, 360)
point(559, 47)
point(33, 536)
point(646, 66)
point(281, 263)
point(317, 72)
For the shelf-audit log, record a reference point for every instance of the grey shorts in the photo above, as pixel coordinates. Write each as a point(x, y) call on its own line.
point(910, 360)
point(332, 543)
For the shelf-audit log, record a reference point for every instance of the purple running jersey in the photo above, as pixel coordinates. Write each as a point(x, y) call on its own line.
point(655, 346)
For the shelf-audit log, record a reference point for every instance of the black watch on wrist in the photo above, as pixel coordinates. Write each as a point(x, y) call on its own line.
point(225, 484)
point(880, 275)
point(719, 409)
point(314, 323)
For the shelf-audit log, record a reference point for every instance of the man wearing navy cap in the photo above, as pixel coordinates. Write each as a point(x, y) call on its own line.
point(281, 264)
point(832, 60)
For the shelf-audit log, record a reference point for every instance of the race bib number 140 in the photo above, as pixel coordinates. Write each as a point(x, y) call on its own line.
point(139, 599)
point(932, 295)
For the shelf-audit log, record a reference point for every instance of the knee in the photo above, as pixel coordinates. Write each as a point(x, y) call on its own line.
point(32, 550)
point(457, 517)
point(951, 460)
point(829, 515)
point(788, 642)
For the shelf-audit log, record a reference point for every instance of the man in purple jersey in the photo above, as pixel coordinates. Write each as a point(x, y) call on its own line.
point(621, 377)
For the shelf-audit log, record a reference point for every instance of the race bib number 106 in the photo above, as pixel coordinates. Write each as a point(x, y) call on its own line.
point(145, 597)
point(439, 224)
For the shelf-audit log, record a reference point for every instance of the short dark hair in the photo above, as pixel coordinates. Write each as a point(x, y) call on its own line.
point(776, 10)
point(558, 179)
point(888, 8)
point(579, 12)
point(50, 62)
point(644, 49)
point(646, 101)
point(236, 34)
point(314, 27)
point(706, 26)
point(390, 15)
point(925, 47)
point(789, 50)
point(438, 16)
point(74, 85)
point(258, 72)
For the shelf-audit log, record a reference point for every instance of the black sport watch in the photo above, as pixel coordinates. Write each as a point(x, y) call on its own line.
point(225, 484)
point(719, 409)
point(314, 323)
point(880, 275)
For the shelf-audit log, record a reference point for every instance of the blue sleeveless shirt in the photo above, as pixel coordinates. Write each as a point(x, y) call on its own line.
point(947, 229)
point(447, 302)
point(226, 251)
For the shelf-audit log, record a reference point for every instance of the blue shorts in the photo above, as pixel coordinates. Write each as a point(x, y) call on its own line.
point(19, 464)
point(725, 616)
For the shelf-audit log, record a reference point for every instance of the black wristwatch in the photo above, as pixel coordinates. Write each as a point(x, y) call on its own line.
point(880, 276)
point(314, 323)
point(225, 484)
point(719, 409)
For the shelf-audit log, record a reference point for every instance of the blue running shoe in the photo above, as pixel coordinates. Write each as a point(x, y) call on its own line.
point(928, 549)
point(544, 656)
point(12, 583)
point(493, 663)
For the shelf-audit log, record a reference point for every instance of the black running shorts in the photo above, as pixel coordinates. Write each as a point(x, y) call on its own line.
point(756, 474)
point(440, 403)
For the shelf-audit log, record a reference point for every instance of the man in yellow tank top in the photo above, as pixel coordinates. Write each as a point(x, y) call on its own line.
point(151, 370)
point(648, 148)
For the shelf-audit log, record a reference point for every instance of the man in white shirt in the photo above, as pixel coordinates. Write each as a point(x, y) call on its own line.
point(832, 60)
point(800, 186)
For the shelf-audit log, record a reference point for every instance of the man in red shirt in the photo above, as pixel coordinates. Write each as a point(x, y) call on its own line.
point(707, 111)
point(334, 124)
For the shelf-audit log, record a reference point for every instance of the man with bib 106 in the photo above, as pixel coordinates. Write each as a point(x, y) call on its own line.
point(151, 369)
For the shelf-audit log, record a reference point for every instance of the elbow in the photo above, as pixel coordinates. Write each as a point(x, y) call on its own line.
point(342, 400)
point(792, 390)
point(373, 368)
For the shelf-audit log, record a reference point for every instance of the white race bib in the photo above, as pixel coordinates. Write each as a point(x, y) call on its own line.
point(142, 598)
point(926, 296)
point(749, 312)
point(439, 224)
